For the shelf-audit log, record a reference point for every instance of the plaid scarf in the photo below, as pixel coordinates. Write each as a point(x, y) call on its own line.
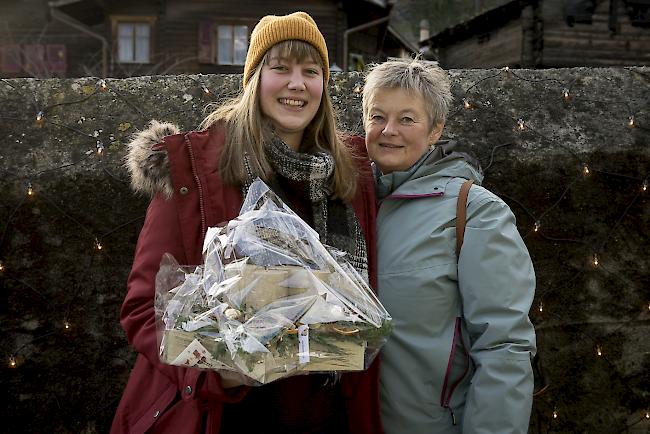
point(335, 221)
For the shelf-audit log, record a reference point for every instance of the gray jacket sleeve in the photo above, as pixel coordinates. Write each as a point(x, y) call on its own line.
point(497, 285)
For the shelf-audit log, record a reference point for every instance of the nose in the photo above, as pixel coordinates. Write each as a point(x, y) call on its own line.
point(390, 129)
point(296, 80)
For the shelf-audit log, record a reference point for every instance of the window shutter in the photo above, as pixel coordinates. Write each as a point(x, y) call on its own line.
point(57, 58)
point(11, 58)
point(35, 60)
point(206, 41)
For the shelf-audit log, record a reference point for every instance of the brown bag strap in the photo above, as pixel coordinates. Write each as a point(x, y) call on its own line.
point(461, 214)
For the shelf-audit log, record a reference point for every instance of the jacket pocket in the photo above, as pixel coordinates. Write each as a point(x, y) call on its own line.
point(451, 380)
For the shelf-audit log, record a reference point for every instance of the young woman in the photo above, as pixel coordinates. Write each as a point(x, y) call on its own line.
point(459, 357)
point(281, 129)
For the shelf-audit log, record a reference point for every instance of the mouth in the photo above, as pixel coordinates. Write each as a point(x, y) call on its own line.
point(293, 103)
point(390, 146)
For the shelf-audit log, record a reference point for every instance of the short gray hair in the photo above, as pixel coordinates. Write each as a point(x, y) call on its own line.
point(412, 75)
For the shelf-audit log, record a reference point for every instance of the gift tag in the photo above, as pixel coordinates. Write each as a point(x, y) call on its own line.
point(303, 343)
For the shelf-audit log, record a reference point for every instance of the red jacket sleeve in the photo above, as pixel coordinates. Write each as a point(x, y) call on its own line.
point(161, 234)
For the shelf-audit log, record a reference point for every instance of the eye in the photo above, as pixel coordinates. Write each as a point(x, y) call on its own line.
point(376, 118)
point(312, 71)
point(279, 67)
point(407, 120)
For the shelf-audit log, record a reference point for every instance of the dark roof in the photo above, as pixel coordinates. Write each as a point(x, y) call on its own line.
point(482, 23)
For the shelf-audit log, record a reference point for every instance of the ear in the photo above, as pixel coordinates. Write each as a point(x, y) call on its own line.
point(436, 132)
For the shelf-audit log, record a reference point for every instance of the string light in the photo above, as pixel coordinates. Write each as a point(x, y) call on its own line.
point(66, 325)
point(630, 121)
point(595, 260)
point(537, 226)
point(12, 362)
point(30, 189)
point(541, 306)
point(466, 104)
point(2, 267)
point(98, 245)
point(565, 94)
point(102, 85)
point(39, 117)
point(647, 415)
point(100, 148)
point(585, 169)
point(357, 89)
point(555, 413)
point(644, 186)
point(520, 124)
point(206, 90)
point(506, 69)
point(599, 350)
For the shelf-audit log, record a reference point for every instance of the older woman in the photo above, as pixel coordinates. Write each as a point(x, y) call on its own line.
point(459, 359)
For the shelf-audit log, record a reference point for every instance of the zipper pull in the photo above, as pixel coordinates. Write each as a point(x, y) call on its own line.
point(453, 416)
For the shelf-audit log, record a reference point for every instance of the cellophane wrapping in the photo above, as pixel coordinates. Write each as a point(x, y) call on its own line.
point(269, 301)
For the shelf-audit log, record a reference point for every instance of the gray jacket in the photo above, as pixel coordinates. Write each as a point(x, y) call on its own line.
point(459, 358)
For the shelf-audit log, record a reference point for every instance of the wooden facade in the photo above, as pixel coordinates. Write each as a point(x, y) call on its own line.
point(545, 34)
point(123, 38)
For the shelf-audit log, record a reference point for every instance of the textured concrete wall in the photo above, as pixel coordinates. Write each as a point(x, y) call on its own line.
point(61, 294)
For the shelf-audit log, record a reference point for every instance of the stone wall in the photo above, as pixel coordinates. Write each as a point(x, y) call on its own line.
point(67, 359)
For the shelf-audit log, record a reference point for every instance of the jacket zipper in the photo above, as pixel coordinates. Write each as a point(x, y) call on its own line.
point(445, 398)
point(199, 186)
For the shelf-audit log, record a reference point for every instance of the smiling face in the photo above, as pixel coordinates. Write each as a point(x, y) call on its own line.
point(398, 129)
point(290, 95)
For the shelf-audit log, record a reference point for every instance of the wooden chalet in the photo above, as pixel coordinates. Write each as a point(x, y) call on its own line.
point(548, 34)
point(122, 38)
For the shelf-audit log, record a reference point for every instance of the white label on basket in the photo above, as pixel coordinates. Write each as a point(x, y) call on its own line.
point(303, 343)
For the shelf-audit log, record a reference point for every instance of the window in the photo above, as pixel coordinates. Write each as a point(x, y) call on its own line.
point(133, 38)
point(133, 42)
point(10, 58)
point(232, 44)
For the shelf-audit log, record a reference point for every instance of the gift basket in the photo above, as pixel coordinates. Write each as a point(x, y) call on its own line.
point(269, 301)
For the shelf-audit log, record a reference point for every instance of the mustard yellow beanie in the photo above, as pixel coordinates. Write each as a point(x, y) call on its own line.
point(273, 29)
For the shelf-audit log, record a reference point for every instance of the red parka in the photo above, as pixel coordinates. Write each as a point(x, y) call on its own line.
point(182, 171)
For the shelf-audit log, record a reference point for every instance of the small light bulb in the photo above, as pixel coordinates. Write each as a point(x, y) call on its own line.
point(595, 260)
point(12, 362)
point(506, 69)
point(39, 117)
point(357, 89)
point(30, 189)
point(2, 267)
point(66, 325)
point(555, 413)
point(644, 186)
point(100, 148)
point(466, 104)
point(647, 415)
point(541, 306)
point(520, 124)
point(98, 245)
point(599, 350)
point(102, 85)
point(206, 90)
point(565, 94)
point(537, 226)
point(585, 169)
point(630, 121)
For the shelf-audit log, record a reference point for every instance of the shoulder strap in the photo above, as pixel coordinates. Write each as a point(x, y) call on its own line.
point(461, 214)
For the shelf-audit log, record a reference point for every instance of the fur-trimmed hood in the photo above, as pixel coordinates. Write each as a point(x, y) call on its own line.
point(147, 164)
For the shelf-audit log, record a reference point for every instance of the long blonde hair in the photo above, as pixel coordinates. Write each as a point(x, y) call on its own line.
point(247, 130)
